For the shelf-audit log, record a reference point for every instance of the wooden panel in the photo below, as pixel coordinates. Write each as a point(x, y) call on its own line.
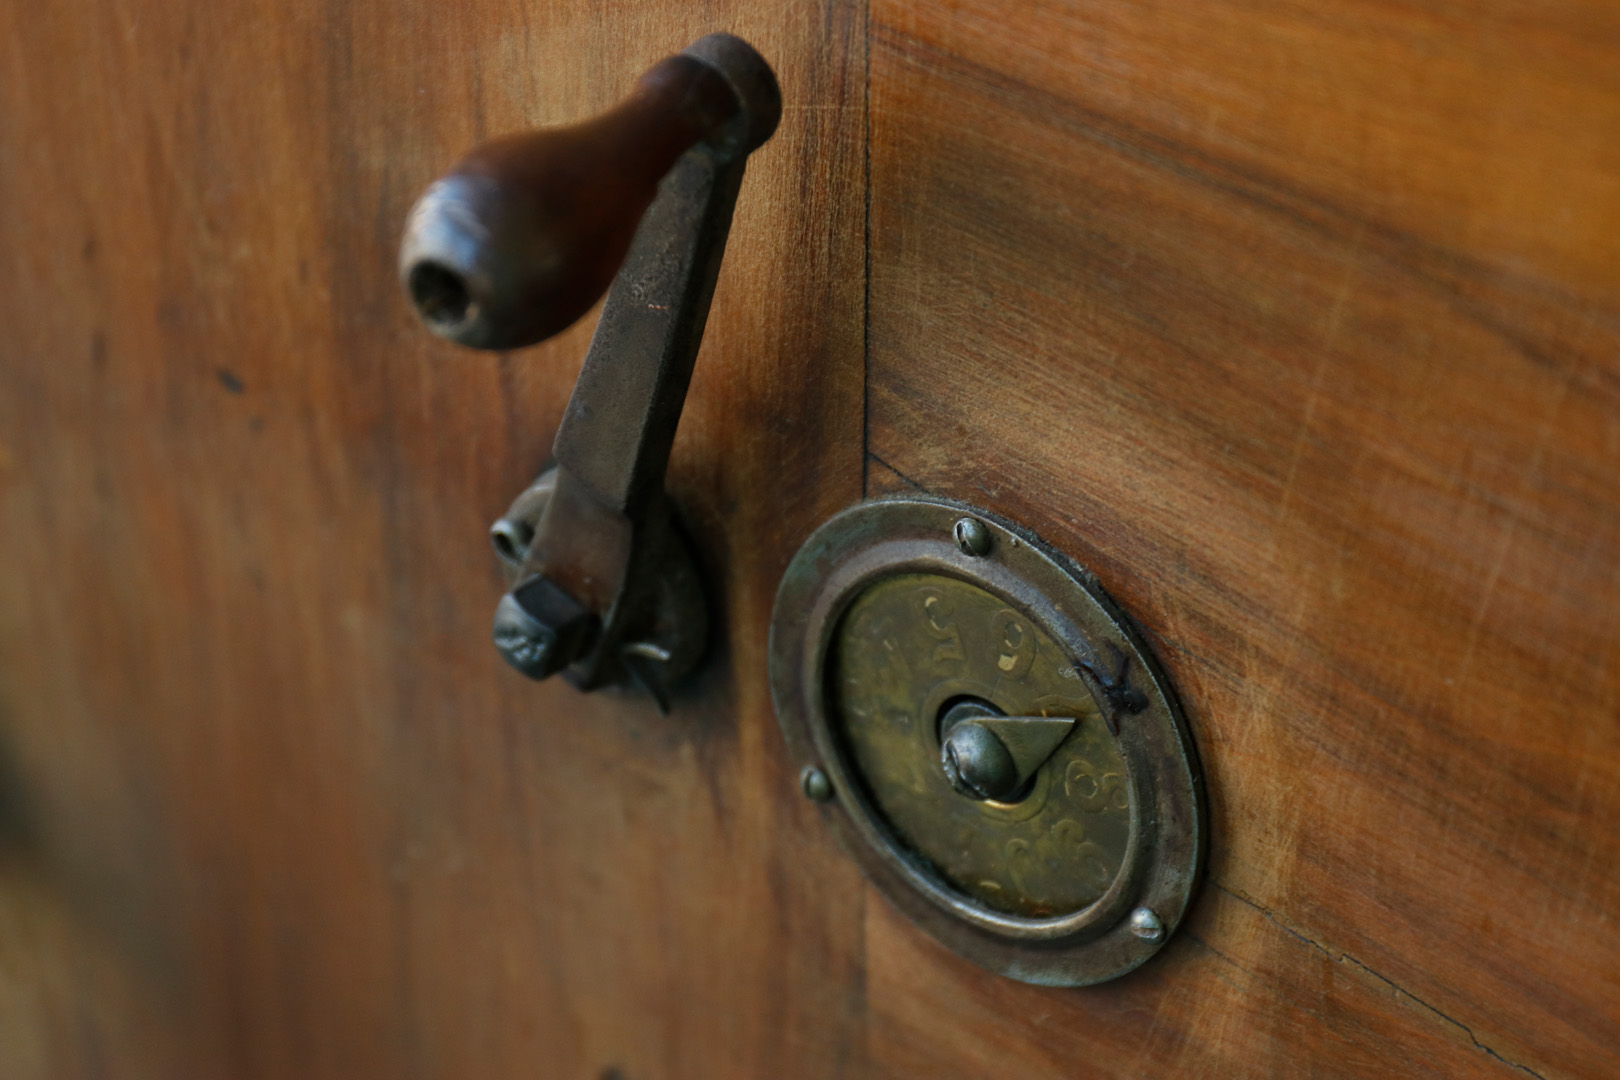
point(272, 804)
point(1300, 325)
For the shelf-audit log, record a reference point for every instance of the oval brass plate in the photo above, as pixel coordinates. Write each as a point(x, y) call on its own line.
point(882, 621)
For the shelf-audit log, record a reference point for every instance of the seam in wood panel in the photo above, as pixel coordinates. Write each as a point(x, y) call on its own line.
point(1346, 958)
point(866, 317)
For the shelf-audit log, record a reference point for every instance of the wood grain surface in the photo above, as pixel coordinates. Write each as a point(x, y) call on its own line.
point(1300, 324)
point(275, 806)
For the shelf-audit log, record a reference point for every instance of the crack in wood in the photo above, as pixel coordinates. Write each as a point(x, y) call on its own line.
point(1343, 958)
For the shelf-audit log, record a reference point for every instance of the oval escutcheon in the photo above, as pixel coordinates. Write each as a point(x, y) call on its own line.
point(888, 633)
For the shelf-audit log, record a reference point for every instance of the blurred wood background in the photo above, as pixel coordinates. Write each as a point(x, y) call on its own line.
point(1300, 324)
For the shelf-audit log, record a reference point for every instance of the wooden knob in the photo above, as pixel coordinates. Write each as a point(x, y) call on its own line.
point(524, 234)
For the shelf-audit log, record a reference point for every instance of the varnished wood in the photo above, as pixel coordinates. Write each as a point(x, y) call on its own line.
point(1300, 328)
point(541, 221)
point(275, 806)
point(1297, 324)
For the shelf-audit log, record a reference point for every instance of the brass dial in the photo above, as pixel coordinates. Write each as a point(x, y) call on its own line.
point(909, 647)
point(990, 737)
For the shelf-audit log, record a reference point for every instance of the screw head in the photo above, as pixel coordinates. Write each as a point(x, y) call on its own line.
point(977, 763)
point(524, 641)
point(539, 629)
point(817, 787)
point(972, 536)
point(1146, 924)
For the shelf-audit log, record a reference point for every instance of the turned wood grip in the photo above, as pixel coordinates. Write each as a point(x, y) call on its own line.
point(525, 233)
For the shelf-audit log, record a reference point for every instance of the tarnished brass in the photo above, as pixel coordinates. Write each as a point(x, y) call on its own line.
point(991, 738)
point(909, 647)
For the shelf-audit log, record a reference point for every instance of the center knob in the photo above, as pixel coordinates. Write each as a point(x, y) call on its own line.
point(990, 756)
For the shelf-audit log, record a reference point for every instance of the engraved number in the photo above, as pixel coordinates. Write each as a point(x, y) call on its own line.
point(937, 610)
point(1070, 837)
point(1014, 644)
point(1105, 794)
point(1019, 862)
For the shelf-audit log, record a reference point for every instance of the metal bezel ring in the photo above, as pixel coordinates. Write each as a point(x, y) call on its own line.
point(1165, 854)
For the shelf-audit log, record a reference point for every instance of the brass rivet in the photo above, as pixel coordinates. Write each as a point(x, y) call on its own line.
point(972, 537)
point(815, 784)
point(1146, 924)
